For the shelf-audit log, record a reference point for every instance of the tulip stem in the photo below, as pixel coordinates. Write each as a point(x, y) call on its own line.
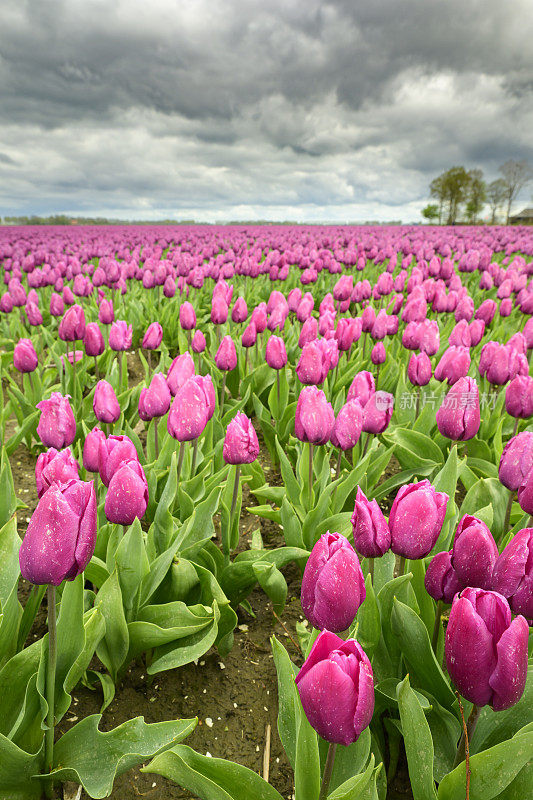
point(50, 685)
point(235, 490)
point(436, 627)
point(181, 456)
point(417, 411)
point(149, 363)
point(377, 376)
point(466, 736)
point(156, 438)
point(338, 468)
point(371, 569)
point(31, 384)
point(194, 455)
point(223, 392)
point(96, 372)
point(328, 771)
point(508, 512)
point(310, 473)
point(277, 388)
point(120, 371)
point(401, 566)
point(517, 420)
point(365, 448)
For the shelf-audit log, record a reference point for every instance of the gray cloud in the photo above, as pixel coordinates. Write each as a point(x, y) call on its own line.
point(217, 109)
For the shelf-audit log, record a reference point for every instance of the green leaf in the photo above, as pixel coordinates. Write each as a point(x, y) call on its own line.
point(132, 565)
point(414, 450)
point(354, 787)
point(307, 768)
point(368, 621)
point(9, 559)
point(289, 479)
point(418, 743)
point(182, 651)
point(113, 648)
point(273, 584)
point(349, 761)
point(17, 769)
point(491, 771)
point(211, 778)
point(93, 758)
point(288, 698)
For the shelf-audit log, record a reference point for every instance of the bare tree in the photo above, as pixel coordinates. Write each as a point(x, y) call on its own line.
point(496, 195)
point(516, 175)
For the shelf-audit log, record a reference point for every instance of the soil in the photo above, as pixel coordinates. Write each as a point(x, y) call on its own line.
point(235, 697)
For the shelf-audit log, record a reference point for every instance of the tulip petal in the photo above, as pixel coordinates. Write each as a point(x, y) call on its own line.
point(509, 677)
point(470, 654)
point(329, 700)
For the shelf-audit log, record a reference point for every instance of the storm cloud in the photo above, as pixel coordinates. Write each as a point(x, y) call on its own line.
point(238, 109)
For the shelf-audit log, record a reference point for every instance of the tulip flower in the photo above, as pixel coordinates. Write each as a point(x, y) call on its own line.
point(105, 404)
point(513, 573)
point(474, 553)
point(309, 332)
point(336, 687)
point(416, 519)
point(333, 586)
point(72, 325)
point(93, 340)
point(362, 387)
point(419, 369)
point(241, 445)
point(120, 336)
point(24, 356)
point(55, 467)
point(378, 354)
point(61, 535)
point(347, 428)
point(441, 581)
point(57, 305)
point(239, 312)
point(106, 314)
point(225, 360)
point(516, 461)
point(188, 413)
point(181, 369)
point(459, 418)
point(57, 426)
point(275, 354)
point(309, 368)
point(91, 450)
point(154, 400)
point(453, 365)
point(198, 343)
point(153, 337)
point(519, 398)
point(314, 417)
point(486, 650)
point(112, 453)
point(127, 494)
point(187, 316)
point(377, 412)
point(371, 532)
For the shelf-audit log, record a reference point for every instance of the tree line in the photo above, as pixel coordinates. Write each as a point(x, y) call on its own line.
point(462, 194)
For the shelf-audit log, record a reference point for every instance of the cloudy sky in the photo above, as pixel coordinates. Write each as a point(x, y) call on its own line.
point(257, 109)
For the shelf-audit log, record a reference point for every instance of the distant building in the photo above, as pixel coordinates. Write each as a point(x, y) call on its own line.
point(524, 217)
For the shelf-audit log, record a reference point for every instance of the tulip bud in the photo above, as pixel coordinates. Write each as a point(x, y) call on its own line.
point(309, 332)
point(112, 453)
point(241, 445)
point(187, 316)
point(309, 368)
point(188, 413)
point(453, 365)
point(459, 418)
point(93, 340)
point(336, 687)
point(371, 533)
point(519, 397)
point(441, 580)
point(419, 369)
point(275, 354)
point(55, 467)
point(378, 354)
point(154, 400)
point(153, 336)
point(474, 553)
point(219, 310)
point(517, 460)
point(72, 325)
point(362, 387)
point(416, 519)
point(485, 650)
point(333, 586)
point(226, 355)
point(314, 417)
point(61, 535)
point(377, 412)
point(106, 314)
point(348, 425)
point(57, 306)
point(249, 337)
point(127, 495)
point(57, 426)
point(105, 404)
point(181, 369)
point(120, 336)
point(91, 450)
point(198, 343)
point(24, 356)
point(239, 311)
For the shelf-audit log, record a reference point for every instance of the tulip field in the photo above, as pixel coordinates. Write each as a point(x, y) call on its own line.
point(266, 513)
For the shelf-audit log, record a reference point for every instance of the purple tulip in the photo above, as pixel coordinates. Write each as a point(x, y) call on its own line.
point(226, 355)
point(91, 450)
point(348, 425)
point(93, 340)
point(198, 343)
point(57, 306)
point(120, 336)
point(61, 535)
point(105, 404)
point(153, 336)
point(519, 397)
point(314, 417)
point(33, 313)
point(371, 533)
point(416, 519)
point(205, 382)
point(187, 316)
point(106, 314)
point(309, 332)
point(486, 651)
point(249, 336)
point(154, 400)
point(333, 586)
point(241, 445)
point(239, 311)
point(309, 368)
point(459, 418)
point(127, 494)
point(453, 365)
point(219, 310)
point(474, 553)
point(513, 573)
point(377, 412)
point(362, 387)
point(441, 580)
point(181, 369)
point(517, 461)
point(336, 687)
point(419, 369)
point(24, 356)
point(55, 467)
point(378, 354)
point(112, 453)
point(57, 426)
point(275, 354)
point(188, 414)
point(72, 325)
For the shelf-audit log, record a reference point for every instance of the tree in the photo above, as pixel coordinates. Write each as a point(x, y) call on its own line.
point(431, 212)
point(496, 194)
point(455, 184)
point(437, 190)
point(476, 194)
point(516, 174)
